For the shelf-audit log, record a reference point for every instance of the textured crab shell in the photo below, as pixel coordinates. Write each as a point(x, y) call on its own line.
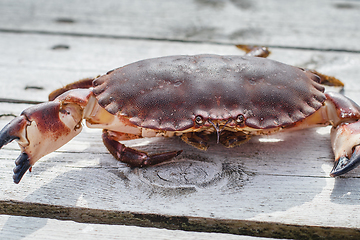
point(169, 92)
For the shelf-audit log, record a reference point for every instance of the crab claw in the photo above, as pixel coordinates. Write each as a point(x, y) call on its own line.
point(345, 164)
point(40, 130)
point(15, 130)
point(12, 130)
point(345, 140)
point(22, 165)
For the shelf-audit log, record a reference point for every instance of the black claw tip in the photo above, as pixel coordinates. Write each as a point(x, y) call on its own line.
point(10, 131)
point(344, 164)
point(22, 165)
point(5, 137)
point(178, 153)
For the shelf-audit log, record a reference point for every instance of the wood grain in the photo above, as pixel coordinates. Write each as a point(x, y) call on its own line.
point(275, 185)
point(301, 24)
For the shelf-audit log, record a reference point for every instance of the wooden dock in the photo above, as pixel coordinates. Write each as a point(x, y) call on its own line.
point(274, 186)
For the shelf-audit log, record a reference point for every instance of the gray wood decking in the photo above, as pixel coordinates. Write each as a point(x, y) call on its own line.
point(272, 186)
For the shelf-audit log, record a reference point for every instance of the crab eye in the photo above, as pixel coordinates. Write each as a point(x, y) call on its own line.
point(199, 120)
point(240, 119)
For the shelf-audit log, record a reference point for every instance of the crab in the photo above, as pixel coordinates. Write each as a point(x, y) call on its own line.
point(230, 97)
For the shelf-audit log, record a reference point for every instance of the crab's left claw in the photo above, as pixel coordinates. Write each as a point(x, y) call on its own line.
point(345, 141)
point(40, 130)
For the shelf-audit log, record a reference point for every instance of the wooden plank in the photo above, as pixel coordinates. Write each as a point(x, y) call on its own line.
point(32, 69)
point(304, 23)
point(37, 225)
point(276, 179)
point(280, 180)
point(13, 227)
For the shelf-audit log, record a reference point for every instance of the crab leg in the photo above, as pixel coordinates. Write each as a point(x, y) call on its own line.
point(254, 51)
point(85, 83)
point(133, 157)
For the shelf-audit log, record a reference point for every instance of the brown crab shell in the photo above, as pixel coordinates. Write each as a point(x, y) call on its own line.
point(167, 93)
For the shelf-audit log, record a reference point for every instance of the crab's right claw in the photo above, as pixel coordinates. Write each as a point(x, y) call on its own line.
point(16, 130)
point(345, 141)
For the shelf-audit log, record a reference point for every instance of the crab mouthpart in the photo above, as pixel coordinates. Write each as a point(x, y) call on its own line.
point(218, 129)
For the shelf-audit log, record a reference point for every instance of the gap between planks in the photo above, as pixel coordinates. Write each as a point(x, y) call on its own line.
point(160, 39)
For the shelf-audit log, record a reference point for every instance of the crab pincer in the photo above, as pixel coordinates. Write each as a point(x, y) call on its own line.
point(40, 130)
point(15, 130)
point(345, 140)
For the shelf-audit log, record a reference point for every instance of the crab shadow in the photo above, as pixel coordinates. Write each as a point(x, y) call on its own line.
point(261, 176)
point(346, 190)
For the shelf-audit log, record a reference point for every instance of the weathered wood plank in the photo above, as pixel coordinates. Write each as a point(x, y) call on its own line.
point(259, 181)
point(281, 179)
point(83, 215)
point(31, 69)
point(16, 227)
point(303, 23)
